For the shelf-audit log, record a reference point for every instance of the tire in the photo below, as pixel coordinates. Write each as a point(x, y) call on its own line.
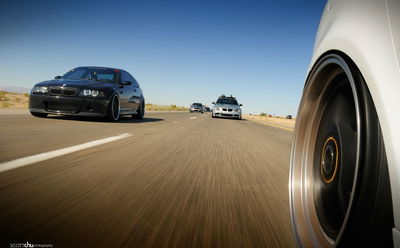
point(338, 150)
point(113, 110)
point(141, 111)
point(40, 115)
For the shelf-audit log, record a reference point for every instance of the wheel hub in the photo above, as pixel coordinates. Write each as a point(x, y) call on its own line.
point(329, 161)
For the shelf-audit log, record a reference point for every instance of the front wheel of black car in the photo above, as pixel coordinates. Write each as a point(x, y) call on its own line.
point(40, 115)
point(339, 184)
point(113, 109)
point(140, 112)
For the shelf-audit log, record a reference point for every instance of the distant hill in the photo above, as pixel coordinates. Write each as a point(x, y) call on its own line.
point(13, 89)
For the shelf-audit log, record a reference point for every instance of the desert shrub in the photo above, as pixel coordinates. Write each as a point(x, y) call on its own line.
point(6, 104)
point(2, 95)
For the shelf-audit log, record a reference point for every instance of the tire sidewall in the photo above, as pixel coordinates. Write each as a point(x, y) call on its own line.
point(110, 111)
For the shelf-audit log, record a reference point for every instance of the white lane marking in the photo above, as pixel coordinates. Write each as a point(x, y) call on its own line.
point(192, 118)
point(57, 153)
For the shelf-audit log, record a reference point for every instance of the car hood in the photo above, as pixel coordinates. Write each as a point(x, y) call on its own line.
point(226, 106)
point(75, 83)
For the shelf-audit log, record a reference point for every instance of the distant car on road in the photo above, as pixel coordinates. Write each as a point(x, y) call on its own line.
point(196, 107)
point(89, 91)
point(289, 117)
point(227, 107)
point(207, 109)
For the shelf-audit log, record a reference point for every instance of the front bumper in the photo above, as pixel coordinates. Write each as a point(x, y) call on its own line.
point(227, 114)
point(196, 110)
point(74, 105)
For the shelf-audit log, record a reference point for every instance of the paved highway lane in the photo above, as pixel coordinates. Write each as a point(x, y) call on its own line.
point(177, 181)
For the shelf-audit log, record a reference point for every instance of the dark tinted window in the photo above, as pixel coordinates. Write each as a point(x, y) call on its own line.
point(133, 80)
point(97, 74)
point(75, 74)
point(124, 76)
point(128, 77)
point(227, 101)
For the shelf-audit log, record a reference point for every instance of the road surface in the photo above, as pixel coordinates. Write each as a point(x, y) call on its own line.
point(176, 180)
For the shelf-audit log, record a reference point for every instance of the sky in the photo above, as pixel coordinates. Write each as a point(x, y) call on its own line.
point(179, 51)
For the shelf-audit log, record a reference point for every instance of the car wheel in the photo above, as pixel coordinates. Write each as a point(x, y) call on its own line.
point(113, 110)
point(339, 182)
point(40, 115)
point(140, 113)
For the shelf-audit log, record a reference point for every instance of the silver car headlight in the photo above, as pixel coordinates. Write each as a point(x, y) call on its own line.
point(217, 109)
point(238, 110)
point(39, 90)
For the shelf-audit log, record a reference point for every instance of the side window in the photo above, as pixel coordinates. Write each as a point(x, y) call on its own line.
point(133, 80)
point(124, 76)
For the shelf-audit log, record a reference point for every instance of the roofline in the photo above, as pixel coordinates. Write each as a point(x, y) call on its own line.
point(100, 67)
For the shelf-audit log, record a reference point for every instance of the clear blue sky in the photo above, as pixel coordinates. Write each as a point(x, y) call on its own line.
point(179, 51)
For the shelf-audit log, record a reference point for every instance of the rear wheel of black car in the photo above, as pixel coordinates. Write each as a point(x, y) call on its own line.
point(339, 184)
point(113, 108)
point(140, 112)
point(40, 115)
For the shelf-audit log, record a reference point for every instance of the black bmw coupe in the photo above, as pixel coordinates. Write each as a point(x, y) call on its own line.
point(89, 91)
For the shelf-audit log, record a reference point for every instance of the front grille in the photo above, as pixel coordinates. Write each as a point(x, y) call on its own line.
point(61, 107)
point(226, 109)
point(63, 91)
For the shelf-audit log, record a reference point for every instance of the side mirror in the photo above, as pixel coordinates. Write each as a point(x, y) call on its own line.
point(213, 102)
point(240, 105)
point(127, 83)
point(57, 77)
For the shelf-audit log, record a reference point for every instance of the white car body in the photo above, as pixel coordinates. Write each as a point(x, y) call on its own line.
point(368, 32)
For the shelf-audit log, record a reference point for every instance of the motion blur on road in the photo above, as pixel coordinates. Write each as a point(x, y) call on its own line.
point(179, 180)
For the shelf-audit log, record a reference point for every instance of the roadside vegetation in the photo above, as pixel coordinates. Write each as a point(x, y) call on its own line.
point(13, 100)
point(154, 107)
point(272, 120)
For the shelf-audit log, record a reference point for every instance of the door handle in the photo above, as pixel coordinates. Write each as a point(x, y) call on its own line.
point(134, 90)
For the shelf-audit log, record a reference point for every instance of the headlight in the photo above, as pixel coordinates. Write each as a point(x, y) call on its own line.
point(39, 90)
point(217, 109)
point(93, 93)
point(237, 110)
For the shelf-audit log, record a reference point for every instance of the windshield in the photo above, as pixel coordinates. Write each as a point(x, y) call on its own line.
point(197, 104)
point(96, 74)
point(227, 101)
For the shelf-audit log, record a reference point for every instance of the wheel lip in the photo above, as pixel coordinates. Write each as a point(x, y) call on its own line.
point(307, 229)
point(112, 107)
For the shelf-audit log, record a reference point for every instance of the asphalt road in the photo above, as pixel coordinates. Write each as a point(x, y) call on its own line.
point(177, 181)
